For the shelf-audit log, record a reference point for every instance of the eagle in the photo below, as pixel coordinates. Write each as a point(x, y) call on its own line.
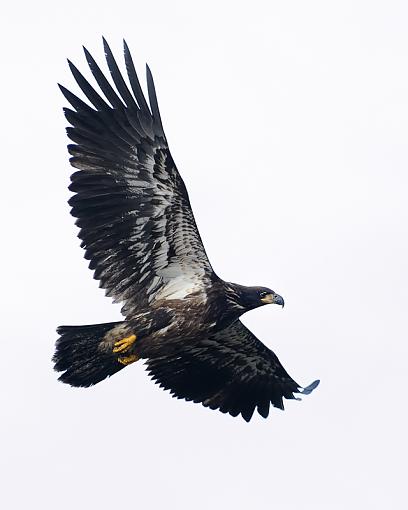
point(139, 233)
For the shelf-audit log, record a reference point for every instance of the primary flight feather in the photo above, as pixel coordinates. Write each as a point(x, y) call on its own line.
point(139, 233)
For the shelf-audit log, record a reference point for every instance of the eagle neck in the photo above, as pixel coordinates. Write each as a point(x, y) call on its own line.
point(232, 306)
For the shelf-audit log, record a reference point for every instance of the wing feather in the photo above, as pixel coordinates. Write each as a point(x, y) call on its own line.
point(153, 101)
point(103, 83)
point(134, 80)
point(86, 88)
point(117, 77)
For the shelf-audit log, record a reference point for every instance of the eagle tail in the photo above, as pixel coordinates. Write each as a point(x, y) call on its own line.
point(78, 354)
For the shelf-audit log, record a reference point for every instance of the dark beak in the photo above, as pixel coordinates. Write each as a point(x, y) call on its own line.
point(273, 298)
point(278, 300)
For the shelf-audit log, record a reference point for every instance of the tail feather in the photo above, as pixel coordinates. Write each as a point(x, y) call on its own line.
point(79, 356)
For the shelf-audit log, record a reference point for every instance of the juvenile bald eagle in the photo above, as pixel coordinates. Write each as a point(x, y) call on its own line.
point(139, 233)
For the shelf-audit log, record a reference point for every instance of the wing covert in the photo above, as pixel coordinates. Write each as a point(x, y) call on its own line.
point(132, 207)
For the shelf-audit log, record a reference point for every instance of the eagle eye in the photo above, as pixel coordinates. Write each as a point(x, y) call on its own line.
point(263, 294)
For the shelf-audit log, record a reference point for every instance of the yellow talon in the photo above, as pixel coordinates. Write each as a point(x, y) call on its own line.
point(127, 360)
point(124, 344)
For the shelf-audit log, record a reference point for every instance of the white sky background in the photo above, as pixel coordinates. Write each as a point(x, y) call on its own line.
point(288, 122)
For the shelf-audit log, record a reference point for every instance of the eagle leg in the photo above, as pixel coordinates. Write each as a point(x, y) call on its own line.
point(124, 344)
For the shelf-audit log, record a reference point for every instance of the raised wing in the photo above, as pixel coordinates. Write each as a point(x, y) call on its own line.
point(133, 210)
point(231, 371)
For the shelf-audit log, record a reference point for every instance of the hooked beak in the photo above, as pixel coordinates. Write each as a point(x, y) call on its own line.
point(273, 299)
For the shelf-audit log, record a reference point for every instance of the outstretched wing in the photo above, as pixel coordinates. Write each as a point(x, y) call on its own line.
point(231, 371)
point(133, 210)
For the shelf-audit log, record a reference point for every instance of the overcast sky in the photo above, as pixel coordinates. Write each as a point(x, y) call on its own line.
point(288, 123)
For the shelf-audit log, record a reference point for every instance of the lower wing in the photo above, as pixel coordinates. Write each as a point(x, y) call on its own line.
point(231, 371)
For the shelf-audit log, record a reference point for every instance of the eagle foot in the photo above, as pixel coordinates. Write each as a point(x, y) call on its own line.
point(127, 360)
point(124, 344)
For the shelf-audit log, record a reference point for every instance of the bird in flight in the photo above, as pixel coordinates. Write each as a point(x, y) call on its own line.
point(139, 234)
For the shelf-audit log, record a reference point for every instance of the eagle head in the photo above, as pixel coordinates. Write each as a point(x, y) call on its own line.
point(249, 298)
